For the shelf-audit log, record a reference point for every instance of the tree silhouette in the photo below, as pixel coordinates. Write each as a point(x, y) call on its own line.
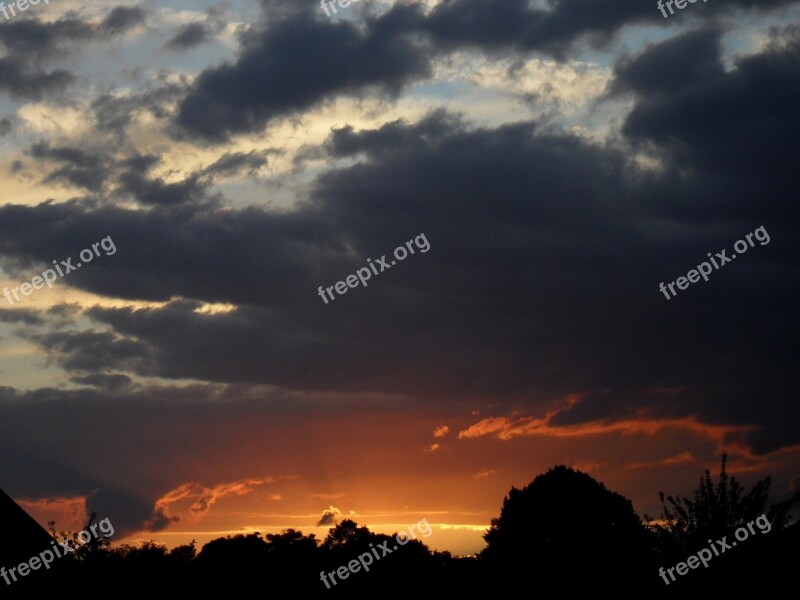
point(147, 553)
point(185, 553)
point(97, 545)
point(291, 542)
point(346, 533)
point(238, 552)
point(715, 511)
point(565, 521)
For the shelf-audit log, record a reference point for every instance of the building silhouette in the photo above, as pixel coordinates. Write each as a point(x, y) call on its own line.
point(23, 536)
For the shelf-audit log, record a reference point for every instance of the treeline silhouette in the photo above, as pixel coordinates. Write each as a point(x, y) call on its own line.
point(564, 531)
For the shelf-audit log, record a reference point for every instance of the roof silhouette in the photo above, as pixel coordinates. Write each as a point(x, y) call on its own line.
point(24, 537)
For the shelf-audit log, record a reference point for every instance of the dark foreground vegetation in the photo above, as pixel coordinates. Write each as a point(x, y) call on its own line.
point(563, 532)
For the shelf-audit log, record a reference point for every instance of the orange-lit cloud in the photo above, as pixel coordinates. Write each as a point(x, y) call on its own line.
point(484, 427)
point(331, 516)
point(484, 473)
point(205, 497)
point(69, 514)
point(683, 457)
point(507, 428)
point(441, 431)
point(744, 460)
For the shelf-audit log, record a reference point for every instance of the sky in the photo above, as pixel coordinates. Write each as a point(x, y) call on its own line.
point(519, 199)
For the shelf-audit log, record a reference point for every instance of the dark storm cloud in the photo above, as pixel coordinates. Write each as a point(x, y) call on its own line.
point(515, 24)
point(194, 34)
point(20, 315)
point(122, 18)
point(29, 44)
point(189, 36)
point(25, 37)
point(128, 177)
point(7, 125)
point(155, 191)
point(32, 37)
point(19, 80)
point(114, 114)
point(714, 120)
point(518, 25)
point(61, 315)
point(209, 253)
point(293, 65)
point(93, 351)
point(115, 382)
point(684, 60)
point(80, 167)
point(233, 163)
point(32, 42)
point(397, 134)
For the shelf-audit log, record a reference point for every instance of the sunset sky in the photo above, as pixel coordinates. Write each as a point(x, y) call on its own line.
point(562, 158)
